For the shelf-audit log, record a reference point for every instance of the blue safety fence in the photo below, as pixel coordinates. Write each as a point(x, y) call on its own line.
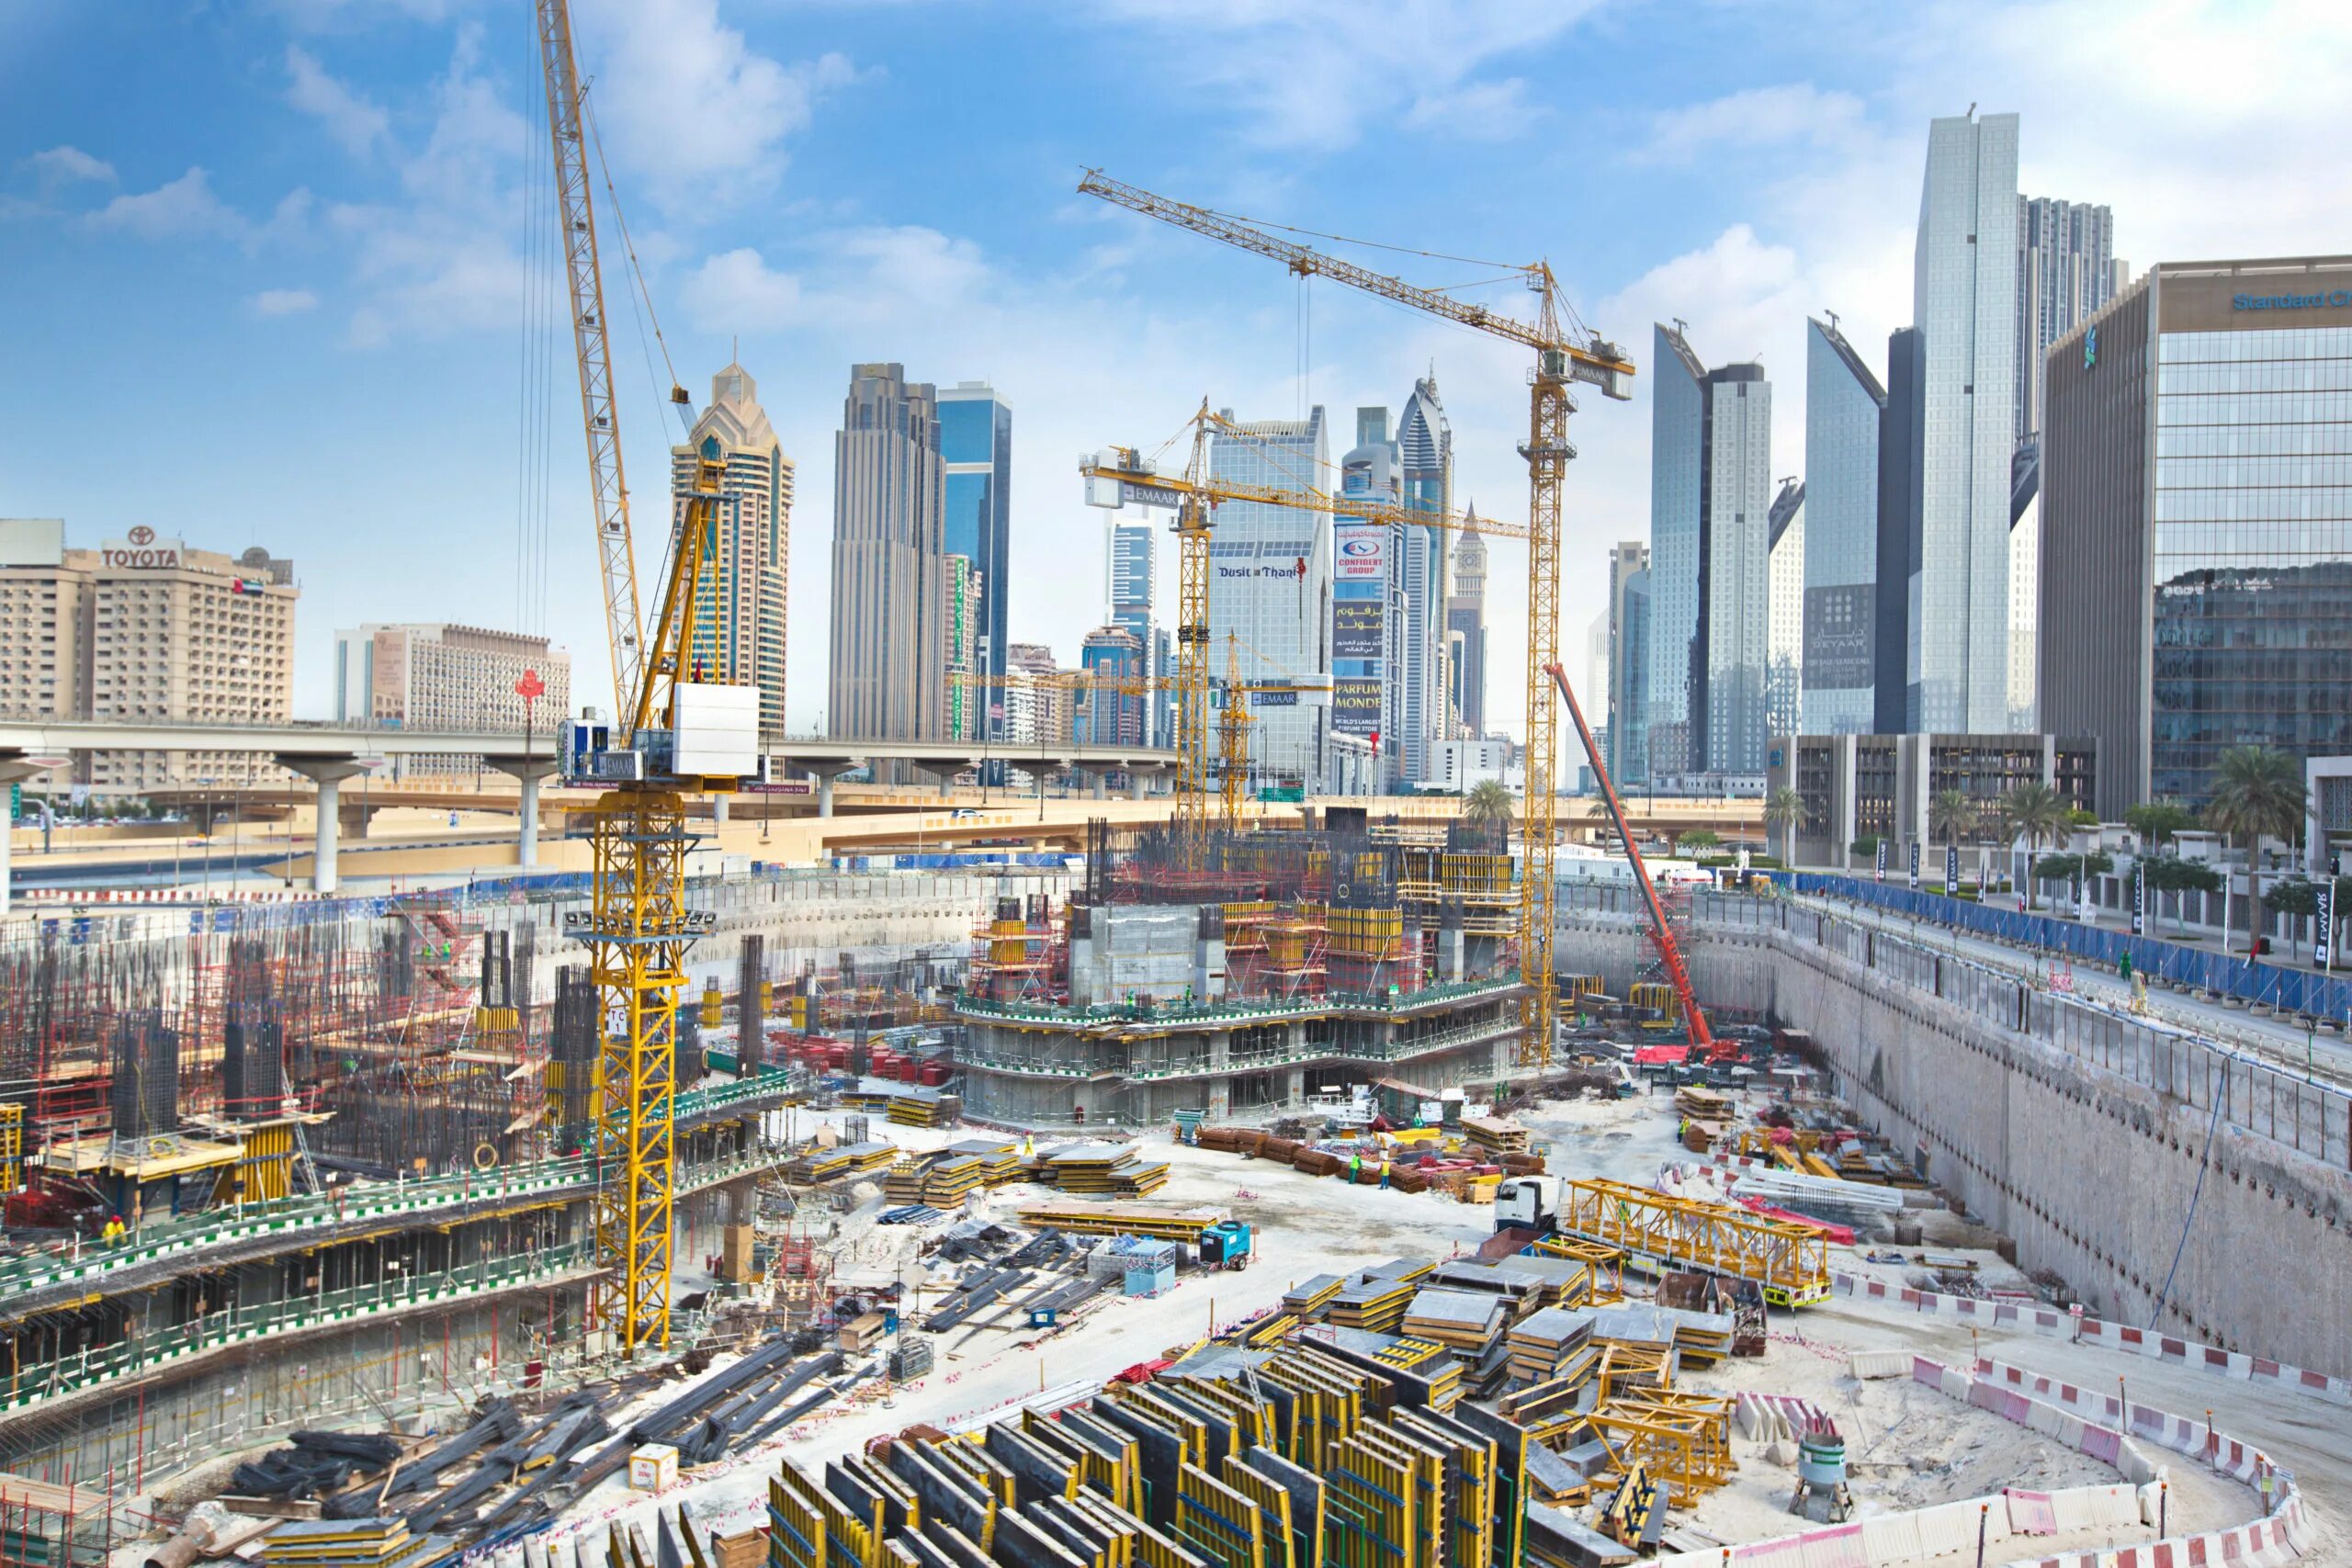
point(2287, 990)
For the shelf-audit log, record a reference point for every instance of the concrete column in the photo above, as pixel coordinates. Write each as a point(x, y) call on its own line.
point(15, 768)
point(1102, 784)
point(825, 771)
point(527, 771)
point(327, 771)
point(718, 810)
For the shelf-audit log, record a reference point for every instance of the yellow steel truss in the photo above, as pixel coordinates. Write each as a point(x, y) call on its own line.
point(1792, 1262)
point(638, 938)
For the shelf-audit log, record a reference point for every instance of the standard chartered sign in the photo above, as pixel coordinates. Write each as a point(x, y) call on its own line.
point(2335, 298)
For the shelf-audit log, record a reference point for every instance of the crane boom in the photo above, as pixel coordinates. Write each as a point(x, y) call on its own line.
point(608, 486)
point(1563, 356)
point(1660, 930)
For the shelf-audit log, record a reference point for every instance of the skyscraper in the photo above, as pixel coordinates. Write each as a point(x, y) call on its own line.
point(970, 705)
point(1843, 406)
point(976, 449)
point(1369, 607)
point(1626, 698)
point(886, 681)
point(1112, 714)
point(739, 601)
point(1465, 635)
point(1425, 469)
point(1130, 577)
point(1784, 634)
point(1711, 497)
point(1902, 478)
point(1965, 302)
point(2067, 274)
point(1270, 588)
point(2187, 484)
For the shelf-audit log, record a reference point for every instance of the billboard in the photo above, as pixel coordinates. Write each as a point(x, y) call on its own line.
point(1356, 628)
point(1355, 707)
point(1840, 636)
point(1363, 554)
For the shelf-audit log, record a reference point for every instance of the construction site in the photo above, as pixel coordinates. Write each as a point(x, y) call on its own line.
point(1309, 1187)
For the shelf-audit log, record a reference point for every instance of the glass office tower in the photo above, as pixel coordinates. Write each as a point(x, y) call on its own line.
point(1843, 406)
point(976, 445)
point(2196, 590)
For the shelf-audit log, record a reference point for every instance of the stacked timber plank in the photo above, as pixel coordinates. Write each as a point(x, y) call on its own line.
point(1308, 1298)
point(1464, 1321)
point(1373, 1303)
point(1101, 1218)
point(354, 1543)
point(915, 1106)
point(842, 1163)
point(999, 1157)
point(1495, 1136)
point(1544, 1343)
point(1108, 1170)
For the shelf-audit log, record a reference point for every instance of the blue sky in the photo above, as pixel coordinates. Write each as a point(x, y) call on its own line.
point(272, 273)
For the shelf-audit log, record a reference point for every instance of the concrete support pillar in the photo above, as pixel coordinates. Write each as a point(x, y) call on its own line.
point(1102, 784)
point(825, 771)
point(1220, 1087)
point(15, 768)
point(327, 771)
point(718, 810)
point(527, 771)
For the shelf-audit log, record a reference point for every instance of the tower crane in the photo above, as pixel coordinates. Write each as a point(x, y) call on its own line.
point(670, 739)
point(1566, 353)
point(1121, 476)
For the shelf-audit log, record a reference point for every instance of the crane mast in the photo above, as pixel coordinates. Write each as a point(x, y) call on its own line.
point(638, 927)
point(1565, 354)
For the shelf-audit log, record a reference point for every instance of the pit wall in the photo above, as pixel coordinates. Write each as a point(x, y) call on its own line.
point(2102, 1144)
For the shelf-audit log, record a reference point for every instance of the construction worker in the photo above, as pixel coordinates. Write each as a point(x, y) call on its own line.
point(1383, 1176)
point(113, 1232)
point(1355, 1169)
point(2124, 964)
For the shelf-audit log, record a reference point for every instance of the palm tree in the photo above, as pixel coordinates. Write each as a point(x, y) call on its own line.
point(1784, 808)
point(1951, 814)
point(2258, 794)
point(1490, 804)
point(2039, 812)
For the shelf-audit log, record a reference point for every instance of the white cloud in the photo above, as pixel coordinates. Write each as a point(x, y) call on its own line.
point(356, 123)
point(1318, 73)
point(60, 167)
point(443, 260)
point(1758, 116)
point(184, 207)
point(690, 103)
point(1476, 111)
point(737, 291)
point(284, 302)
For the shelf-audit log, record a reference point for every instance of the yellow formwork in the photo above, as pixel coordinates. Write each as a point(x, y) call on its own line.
point(1659, 1234)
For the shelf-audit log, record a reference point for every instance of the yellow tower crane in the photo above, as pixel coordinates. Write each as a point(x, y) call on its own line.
point(1567, 352)
point(671, 738)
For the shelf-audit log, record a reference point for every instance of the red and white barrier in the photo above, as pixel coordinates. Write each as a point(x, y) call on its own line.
point(2052, 1323)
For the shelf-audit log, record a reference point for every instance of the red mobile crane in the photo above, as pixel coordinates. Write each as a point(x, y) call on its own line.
point(1660, 933)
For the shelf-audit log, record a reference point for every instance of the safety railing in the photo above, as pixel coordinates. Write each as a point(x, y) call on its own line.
point(145, 1355)
point(1377, 1003)
point(91, 1262)
point(2248, 980)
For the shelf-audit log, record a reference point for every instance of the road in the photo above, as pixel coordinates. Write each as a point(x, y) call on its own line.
point(2323, 1057)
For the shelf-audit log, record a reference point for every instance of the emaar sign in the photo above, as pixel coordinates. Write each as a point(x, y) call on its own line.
point(2334, 298)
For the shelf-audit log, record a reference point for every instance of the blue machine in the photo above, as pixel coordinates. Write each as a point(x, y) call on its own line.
point(1226, 1245)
